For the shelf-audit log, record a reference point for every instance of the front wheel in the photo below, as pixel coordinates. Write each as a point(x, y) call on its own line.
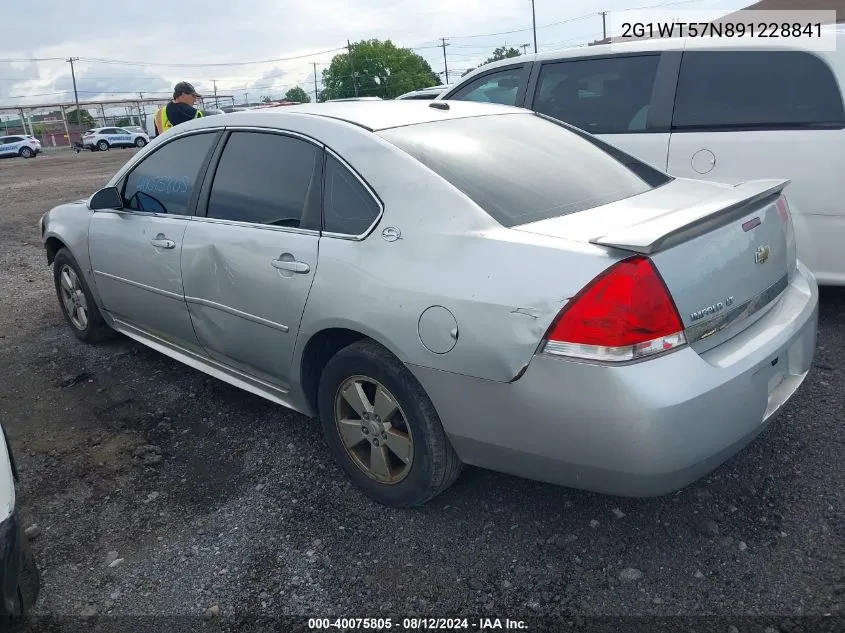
point(103, 146)
point(140, 142)
point(383, 429)
point(26, 152)
point(76, 301)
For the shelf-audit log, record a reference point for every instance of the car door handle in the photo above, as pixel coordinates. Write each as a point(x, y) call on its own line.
point(162, 242)
point(292, 266)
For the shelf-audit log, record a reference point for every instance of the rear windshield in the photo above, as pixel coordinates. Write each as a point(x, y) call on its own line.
point(523, 168)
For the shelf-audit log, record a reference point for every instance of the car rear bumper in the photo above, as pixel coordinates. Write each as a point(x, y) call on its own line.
point(642, 429)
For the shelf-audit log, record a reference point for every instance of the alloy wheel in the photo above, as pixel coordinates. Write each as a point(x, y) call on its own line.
point(373, 429)
point(73, 297)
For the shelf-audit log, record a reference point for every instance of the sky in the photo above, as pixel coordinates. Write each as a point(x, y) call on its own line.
point(149, 46)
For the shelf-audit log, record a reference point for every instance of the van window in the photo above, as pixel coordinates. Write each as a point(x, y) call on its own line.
point(609, 95)
point(757, 90)
point(523, 168)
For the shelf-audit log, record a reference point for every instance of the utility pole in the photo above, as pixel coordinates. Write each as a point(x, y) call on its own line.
point(534, 21)
point(352, 68)
point(316, 94)
point(603, 15)
point(444, 45)
point(75, 93)
point(246, 97)
point(525, 48)
point(216, 104)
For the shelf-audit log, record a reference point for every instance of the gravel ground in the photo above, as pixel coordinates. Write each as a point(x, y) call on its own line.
point(158, 490)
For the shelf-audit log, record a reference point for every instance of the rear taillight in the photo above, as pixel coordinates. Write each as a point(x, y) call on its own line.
point(624, 314)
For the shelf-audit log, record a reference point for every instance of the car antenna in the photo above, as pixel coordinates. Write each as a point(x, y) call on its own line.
point(439, 105)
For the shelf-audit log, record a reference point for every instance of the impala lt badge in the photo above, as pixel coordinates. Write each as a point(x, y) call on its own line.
point(716, 307)
point(762, 254)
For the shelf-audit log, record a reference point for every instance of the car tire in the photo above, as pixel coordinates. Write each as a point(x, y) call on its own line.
point(26, 152)
point(140, 142)
point(92, 328)
point(433, 465)
point(102, 146)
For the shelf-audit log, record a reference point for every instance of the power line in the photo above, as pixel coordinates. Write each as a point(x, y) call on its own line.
point(102, 60)
point(444, 44)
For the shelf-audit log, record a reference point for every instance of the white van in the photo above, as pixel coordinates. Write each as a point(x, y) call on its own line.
point(712, 108)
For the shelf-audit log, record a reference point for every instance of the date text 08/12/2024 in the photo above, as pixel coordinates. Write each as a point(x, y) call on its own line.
point(417, 624)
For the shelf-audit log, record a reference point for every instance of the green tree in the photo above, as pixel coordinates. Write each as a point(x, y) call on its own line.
point(503, 52)
point(124, 122)
point(381, 70)
point(85, 118)
point(266, 99)
point(297, 94)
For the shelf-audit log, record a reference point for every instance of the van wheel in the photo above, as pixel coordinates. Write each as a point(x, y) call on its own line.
point(76, 301)
point(382, 427)
point(103, 146)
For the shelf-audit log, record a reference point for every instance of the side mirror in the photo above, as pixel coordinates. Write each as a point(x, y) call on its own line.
point(108, 198)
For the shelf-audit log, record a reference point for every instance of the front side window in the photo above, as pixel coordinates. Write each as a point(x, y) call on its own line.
point(264, 179)
point(522, 168)
point(348, 208)
point(608, 95)
point(757, 90)
point(499, 87)
point(166, 179)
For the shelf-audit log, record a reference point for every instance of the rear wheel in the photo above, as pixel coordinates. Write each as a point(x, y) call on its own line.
point(140, 142)
point(383, 429)
point(103, 146)
point(26, 152)
point(76, 300)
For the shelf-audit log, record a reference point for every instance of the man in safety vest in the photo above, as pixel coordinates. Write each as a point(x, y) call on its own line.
point(179, 110)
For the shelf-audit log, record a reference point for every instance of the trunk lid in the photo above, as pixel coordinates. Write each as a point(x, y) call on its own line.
point(725, 252)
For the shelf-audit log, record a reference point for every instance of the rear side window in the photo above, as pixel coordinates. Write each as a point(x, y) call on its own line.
point(602, 96)
point(348, 208)
point(757, 90)
point(500, 87)
point(263, 179)
point(523, 168)
point(164, 181)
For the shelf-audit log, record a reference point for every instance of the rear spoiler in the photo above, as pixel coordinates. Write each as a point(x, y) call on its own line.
point(684, 224)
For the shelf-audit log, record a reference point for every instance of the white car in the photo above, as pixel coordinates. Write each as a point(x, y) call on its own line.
point(425, 93)
point(20, 578)
point(722, 109)
point(104, 138)
point(19, 145)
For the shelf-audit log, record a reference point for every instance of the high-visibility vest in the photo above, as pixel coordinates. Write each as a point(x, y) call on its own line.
point(163, 124)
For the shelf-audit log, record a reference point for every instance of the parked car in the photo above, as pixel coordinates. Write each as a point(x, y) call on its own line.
point(104, 138)
point(20, 579)
point(22, 145)
point(720, 109)
point(424, 93)
point(448, 283)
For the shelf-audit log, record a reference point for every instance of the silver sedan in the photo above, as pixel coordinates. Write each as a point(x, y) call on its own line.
point(452, 283)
